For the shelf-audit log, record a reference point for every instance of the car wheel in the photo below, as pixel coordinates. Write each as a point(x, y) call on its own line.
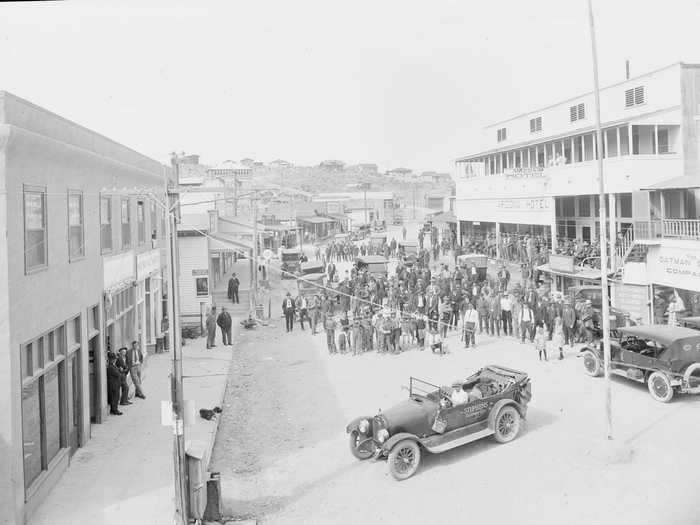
point(660, 387)
point(355, 439)
point(592, 364)
point(404, 459)
point(691, 378)
point(507, 424)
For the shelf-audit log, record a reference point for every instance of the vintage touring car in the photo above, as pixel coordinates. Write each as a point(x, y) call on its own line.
point(428, 420)
point(666, 358)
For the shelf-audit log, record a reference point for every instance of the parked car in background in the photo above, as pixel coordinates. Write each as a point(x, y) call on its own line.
point(666, 358)
point(290, 259)
point(494, 403)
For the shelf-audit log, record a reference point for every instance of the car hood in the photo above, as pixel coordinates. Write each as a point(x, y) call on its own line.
point(412, 415)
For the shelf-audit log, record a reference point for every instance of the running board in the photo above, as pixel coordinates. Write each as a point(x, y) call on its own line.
point(444, 446)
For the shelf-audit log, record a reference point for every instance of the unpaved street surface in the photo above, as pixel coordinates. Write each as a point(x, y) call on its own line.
point(284, 458)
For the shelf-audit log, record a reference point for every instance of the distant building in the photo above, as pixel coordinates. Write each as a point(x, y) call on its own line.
point(247, 162)
point(279, 163)
point(399, 172)
point(334, 165)
point(371, 169)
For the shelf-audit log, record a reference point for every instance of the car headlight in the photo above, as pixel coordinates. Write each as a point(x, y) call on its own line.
point(382, 435)
point(364, 426)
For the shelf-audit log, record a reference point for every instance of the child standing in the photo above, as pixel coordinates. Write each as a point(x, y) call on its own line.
point(558, 336)
point(540, 342)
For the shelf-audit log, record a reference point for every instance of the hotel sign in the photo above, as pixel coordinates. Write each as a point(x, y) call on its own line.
point(524, 173)
point(525, 204)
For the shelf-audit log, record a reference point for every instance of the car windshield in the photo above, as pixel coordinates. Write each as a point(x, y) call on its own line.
point(421, 388)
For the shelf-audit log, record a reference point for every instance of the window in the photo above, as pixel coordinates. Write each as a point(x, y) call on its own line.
point(126, 224)
point(624, 205)
point(202, 286)
point(634, 96)
point(35, 238)
point(76, 236)
point(577, 112)
point(141, 221)
point(584, 206)
point(44, 414)
point(154, 221)
point(106, 224)
point(501, 134)
point(663, 146)
point(535, 124)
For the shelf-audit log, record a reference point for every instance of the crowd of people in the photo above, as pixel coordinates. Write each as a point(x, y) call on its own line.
point(424, 300)
point(120, 365)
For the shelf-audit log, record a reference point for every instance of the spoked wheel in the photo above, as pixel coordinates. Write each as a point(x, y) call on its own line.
point(507, 424)
point(592, 364)
point(660, 387)
point(691, 377)
point(404, 459)
point(355, 440)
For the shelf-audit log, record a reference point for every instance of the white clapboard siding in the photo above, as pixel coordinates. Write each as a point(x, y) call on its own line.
point(194, 255)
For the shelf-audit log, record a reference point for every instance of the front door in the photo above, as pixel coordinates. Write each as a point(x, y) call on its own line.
point(76, 402)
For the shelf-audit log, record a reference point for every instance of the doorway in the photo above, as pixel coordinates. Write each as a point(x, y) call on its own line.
point(586, 233)
point(76, 402)
point(93, 348)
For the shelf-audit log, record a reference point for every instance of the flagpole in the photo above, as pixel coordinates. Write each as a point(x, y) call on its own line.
point(603, 232)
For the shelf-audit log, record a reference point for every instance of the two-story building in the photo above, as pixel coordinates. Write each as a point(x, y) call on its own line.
point(81, 267)
point(539, 175)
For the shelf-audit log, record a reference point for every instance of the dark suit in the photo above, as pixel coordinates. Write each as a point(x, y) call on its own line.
point(233, 284)
point(288, 309)
point(113, 381)
point(123, 368)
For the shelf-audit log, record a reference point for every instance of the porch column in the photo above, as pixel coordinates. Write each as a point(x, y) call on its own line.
point(605, 143)
point(629, 139)
point(553, 229)
point(529, 158)
point(619, 145)
point(612, 235)
point(656, 139)
point(573, 150)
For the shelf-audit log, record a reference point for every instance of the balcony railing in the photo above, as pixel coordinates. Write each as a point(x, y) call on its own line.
point(668, 228)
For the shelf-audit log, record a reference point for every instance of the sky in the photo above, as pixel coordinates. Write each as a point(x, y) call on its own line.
point(398, 83)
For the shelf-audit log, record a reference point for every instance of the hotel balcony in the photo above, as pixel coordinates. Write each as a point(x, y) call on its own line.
point(687, 229)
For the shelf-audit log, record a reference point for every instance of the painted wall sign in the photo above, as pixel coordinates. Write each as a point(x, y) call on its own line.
point(674, 267)
point(147, 263)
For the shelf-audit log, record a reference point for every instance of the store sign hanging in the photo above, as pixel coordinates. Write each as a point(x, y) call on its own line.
point(674, 267)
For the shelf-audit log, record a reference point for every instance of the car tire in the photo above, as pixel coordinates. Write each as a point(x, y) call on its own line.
point(660, 387)
point(507, 424)
point(691, 378)
point(404, 459)
point(354, 441)
point(592, 364)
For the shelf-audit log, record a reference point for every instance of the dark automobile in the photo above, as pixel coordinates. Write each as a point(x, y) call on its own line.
point(291, 262)
point(666, 358)
point(428, 420)
point(594, 294)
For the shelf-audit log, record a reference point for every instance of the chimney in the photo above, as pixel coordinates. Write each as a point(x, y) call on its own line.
point(627, 69)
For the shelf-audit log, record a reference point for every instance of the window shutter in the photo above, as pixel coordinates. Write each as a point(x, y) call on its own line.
point(572, 114)
point(639, 95)
point(629, 98)
point(581, 111)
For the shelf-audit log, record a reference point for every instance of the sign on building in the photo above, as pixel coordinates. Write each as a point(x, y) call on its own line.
point(561, 263)
point(524, 173)
point(674, 267)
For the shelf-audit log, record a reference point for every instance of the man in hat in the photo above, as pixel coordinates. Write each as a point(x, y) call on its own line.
point(395, 332)
point(568, 317)
point(469, 322)
point(288, 310)
point(211, 327)
point(458, 396)
point(113, 382)
point(377, 323)
point(224, 322)
point(329, 326)
point(233, 284)
point(356, 337)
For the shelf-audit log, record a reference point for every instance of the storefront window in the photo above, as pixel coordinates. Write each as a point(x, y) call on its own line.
point(687, 303)
point(202, 286)
point(31, 432)
point(584, 206)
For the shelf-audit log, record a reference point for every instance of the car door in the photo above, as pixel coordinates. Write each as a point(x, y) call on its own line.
point(630, 356)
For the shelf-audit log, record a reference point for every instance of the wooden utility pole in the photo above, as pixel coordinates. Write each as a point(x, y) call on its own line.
point(176, 393)
point(603, 232)
point(254, 204)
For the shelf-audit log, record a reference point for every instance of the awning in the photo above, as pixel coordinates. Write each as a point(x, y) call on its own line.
point(315, 220)
point(580, 272)
point(233, 241)
point(444, 216)
point(677, 183)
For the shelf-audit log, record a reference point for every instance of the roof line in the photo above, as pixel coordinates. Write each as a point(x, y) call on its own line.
point(669, 66)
